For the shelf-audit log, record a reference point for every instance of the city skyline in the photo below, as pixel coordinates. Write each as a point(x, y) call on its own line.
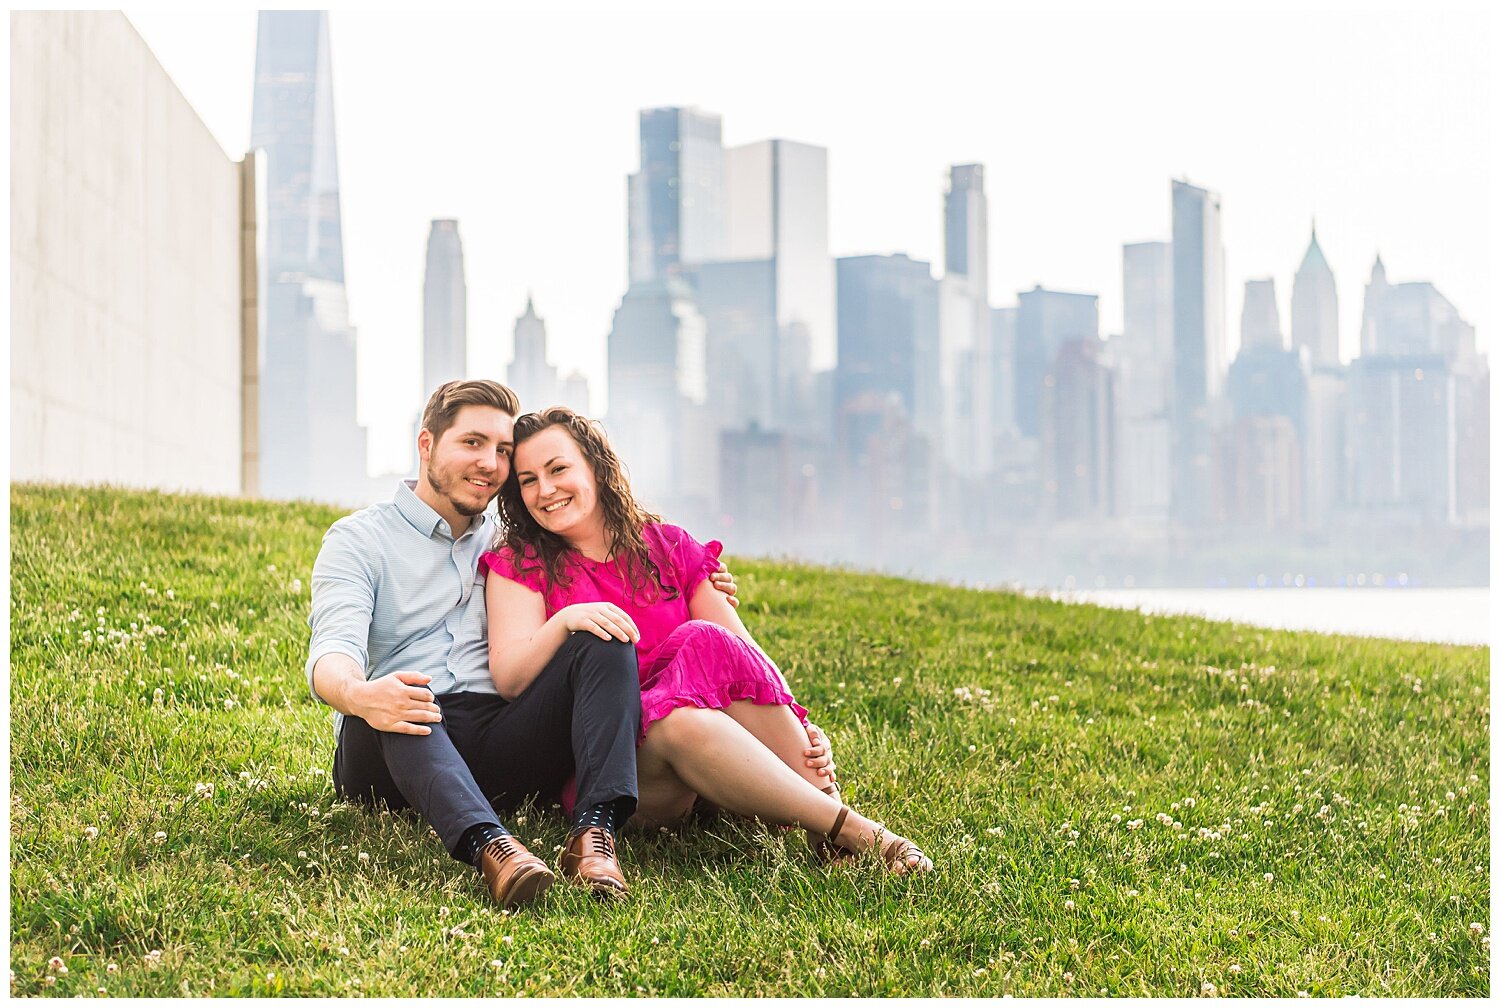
point(1065, 234)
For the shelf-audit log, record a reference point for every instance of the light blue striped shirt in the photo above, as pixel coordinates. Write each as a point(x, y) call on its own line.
point(394, 590)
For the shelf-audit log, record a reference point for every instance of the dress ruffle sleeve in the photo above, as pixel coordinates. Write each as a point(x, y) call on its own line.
point(691, 561)
point(502, 562)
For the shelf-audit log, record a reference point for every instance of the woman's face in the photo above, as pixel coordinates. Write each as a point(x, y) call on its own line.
point(557, 484)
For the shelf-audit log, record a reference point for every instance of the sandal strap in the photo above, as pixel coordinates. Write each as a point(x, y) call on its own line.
point(838, 824)
point(900, 850)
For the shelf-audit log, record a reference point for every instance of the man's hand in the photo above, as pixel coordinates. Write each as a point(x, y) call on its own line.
point(724, 581)
point(819, 753)
point(399, 702)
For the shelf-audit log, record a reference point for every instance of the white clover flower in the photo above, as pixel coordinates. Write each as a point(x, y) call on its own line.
point(1068, 905)
point(1269, 877)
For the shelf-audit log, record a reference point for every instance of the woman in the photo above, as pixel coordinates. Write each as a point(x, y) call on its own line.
point(717, 719)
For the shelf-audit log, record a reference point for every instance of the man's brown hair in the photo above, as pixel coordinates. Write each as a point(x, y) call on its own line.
point(442, 409)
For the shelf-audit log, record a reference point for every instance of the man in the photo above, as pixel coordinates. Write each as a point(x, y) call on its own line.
point(398, 650)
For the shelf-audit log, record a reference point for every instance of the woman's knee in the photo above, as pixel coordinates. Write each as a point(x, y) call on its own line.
point(686, 730)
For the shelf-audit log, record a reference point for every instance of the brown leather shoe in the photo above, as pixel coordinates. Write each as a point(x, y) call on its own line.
point(513, 874)
point(589, 860)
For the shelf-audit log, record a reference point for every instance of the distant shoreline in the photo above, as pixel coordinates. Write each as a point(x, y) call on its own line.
point(1436, 615)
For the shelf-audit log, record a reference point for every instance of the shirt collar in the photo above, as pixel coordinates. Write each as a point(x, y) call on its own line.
point(423, 518)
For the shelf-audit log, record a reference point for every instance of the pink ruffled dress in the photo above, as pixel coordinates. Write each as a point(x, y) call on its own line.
point(683, 662)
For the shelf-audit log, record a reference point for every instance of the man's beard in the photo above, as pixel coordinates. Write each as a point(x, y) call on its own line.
point(445, 488)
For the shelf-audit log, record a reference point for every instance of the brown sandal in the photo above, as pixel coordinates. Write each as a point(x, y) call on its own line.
point(898, 854)
point(823, 846)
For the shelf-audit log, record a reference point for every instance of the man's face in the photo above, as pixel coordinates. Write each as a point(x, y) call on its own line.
point(465, 467)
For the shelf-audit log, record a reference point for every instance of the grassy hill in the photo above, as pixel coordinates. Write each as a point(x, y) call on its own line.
point(1117, 804)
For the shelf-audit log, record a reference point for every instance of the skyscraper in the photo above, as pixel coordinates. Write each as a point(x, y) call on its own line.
point(1412, 318)
point(444, 309)
point(1142, 357)
point(1045, 320)
point(310, 442)
point(676, 216)
point(658, 417)
point(888, 329)
point(1198, 346)
point(1401, 439)
point(738, 304)
point(1260, 319)
point(965, 338)
point(1078, 433)
point(1315, 307)
point(533, 380)
point(776, 211)
point(1260, 473)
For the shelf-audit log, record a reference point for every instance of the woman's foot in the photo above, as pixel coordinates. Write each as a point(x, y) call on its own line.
point(901, 856)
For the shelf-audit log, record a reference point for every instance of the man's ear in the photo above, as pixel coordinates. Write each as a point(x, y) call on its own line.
point(424, 445)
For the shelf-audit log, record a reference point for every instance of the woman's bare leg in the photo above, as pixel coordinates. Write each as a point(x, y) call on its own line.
point(663, 797)
point(709, 753)
point(778, 730)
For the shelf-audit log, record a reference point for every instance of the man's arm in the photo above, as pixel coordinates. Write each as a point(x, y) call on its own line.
point(343, 605)
point(399, 702)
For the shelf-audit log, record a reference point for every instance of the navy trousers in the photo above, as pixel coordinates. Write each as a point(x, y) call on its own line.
point(579, 717)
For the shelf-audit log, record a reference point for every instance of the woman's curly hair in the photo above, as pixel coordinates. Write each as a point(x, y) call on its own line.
point(624, 519)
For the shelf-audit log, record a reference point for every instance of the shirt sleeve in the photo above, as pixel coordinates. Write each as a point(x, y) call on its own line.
point(343, 602)
point(692, 561)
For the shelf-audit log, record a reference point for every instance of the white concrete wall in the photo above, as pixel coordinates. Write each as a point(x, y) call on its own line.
point(125, 267)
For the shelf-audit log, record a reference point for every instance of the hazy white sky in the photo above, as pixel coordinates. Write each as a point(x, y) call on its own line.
point(522, 124)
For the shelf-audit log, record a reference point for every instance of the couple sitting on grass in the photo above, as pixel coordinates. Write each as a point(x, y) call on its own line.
point(586, 653)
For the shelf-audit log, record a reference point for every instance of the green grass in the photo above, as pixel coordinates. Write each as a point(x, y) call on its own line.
point(174, 830)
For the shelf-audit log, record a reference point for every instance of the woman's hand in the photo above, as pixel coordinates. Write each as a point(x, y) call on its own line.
point(819, 753)
point(604, 620)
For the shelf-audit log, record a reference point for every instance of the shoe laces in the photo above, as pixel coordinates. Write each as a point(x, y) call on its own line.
point(502, 848)
point(603, 841)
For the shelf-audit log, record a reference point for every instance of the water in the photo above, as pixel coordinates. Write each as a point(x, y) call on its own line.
point(1444, 615)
